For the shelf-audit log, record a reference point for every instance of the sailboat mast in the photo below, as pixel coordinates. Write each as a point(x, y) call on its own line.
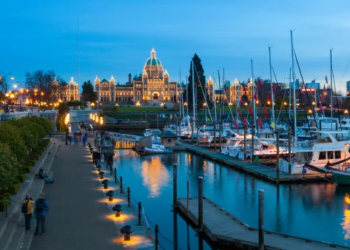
point(223, 92)
point(186, 96)
point(180, 95)
point(293, 83)
point(290, 92)
point(331, 68)
point(253, 90)
point(78, 57)
point(193, 96)
point(272, 94)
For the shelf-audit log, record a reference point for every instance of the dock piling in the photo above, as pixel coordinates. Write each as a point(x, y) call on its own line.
point(188, 195)
point(220, 127)
point(128, 196)
point(261, 220)
point(121, 184)
point(139, 215)
point(200, 203)
point(174, 184)
point(156, 230)
point(115, 175)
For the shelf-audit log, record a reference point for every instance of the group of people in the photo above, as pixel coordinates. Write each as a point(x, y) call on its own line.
point(39, 208)
point(77, 137)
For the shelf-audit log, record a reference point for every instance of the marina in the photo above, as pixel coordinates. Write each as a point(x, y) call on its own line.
point(297, 210)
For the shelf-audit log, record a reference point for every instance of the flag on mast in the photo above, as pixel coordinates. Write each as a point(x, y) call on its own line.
point(265, 111)
point(239, 112)
point(326, 79)
point(259, 84)
point(250, 110)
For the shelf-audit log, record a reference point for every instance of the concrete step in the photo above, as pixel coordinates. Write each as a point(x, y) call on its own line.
point(13, 234)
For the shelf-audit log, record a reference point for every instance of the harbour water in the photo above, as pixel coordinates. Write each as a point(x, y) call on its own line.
point(315, 211)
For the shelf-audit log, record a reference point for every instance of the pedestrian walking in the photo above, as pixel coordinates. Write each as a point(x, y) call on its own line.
point(27, 210)
point(84, 139)
point(41, 209)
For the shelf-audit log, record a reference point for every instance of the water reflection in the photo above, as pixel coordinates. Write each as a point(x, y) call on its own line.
point(155, 175)
point(315, 211)
point(346, 219)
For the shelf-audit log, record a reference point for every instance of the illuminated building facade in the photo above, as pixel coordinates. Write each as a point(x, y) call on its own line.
point(153, 85)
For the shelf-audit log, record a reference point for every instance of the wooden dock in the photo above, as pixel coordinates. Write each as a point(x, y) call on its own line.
point(264, 172)
point(223, 228)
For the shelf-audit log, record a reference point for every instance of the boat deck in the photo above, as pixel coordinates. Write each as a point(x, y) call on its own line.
point(222, 227)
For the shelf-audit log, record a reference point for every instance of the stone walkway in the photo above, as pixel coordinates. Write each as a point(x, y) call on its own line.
point(77, 217)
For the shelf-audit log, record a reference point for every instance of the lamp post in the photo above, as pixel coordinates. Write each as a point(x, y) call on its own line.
point(205, 112)
point(66, 121)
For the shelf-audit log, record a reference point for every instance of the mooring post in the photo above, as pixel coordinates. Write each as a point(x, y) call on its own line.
point(245, 144)
point(261, 220)
point(128, 196)
point(289, 152)
point(188, 195)
point(197, 134)
point(220, 127)
point(115, 175)
point(140, 212)
point(252, 141)
point(200, 202)
point(121, 184)
point(278, 155)
point(156, 230)
point(174, 184)
point(214, 136)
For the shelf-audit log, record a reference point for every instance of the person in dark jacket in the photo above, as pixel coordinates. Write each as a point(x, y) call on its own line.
point(41, 208)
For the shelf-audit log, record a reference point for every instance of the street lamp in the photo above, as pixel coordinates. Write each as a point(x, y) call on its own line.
point(66, 121)
point(205, 110)
point(138, 104)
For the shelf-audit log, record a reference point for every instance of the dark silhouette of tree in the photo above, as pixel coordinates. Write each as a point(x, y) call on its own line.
point(41, 81)
point(199, 85)
point(88, 92)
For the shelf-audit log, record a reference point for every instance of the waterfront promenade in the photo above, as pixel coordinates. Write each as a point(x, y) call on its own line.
point(80, 216)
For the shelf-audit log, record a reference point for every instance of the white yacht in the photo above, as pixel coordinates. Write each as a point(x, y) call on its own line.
point(330, 147)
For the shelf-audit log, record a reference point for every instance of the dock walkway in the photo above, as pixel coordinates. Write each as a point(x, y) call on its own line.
point(261, 171)
point(222, 227)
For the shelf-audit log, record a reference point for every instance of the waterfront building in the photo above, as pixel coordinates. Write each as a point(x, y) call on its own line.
point(66, 92)
point(348, 88)
point(153, 85)
point(231, 93)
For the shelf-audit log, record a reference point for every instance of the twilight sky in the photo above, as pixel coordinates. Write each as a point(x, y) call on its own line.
point(116, 37)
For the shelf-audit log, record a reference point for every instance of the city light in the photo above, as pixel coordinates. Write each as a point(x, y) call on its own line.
point(15, 86)
point(138, 104)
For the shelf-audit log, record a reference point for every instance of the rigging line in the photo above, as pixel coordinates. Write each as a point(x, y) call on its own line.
point(337, 103)
point(308, 99)
point(273, 70)
point(346, 70)
point(167, 239)
point(205, 99)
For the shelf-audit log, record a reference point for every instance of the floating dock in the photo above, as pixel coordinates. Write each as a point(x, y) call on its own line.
point(223, 228)
point(261, 171)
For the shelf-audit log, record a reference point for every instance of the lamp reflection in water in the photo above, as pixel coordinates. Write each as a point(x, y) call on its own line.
point(155, 175)
point(346, 219)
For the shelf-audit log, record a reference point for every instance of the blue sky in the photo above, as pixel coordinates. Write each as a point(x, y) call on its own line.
point(116, 37)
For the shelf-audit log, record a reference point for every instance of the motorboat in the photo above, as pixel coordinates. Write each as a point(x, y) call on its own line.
point(158, 149)
point(331, 147)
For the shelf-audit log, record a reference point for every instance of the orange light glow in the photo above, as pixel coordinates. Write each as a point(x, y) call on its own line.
point(135, 240)
point(347, 199)
point(122, 218)
point(105, 200)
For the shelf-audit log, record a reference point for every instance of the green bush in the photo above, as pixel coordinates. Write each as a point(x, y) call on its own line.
point(27, 169)
point(22, 177)
point(14, 188)
point(4, 202)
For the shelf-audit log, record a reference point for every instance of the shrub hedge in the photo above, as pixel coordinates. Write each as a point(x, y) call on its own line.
point(21, 144)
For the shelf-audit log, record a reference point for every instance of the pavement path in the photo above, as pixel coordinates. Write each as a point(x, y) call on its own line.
point(77, 216)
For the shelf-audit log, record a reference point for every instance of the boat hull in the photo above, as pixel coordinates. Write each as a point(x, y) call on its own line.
point(341, 178)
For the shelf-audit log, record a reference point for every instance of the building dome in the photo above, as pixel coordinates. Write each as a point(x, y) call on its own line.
point(153, 60)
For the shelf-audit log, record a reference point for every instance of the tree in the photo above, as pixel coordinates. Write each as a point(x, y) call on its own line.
point(88, 92)
point(199, 85)
point(40, 80)
point(3, 84)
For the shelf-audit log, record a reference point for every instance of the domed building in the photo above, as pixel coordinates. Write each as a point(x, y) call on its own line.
point(153, 85)
point(68, 92)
